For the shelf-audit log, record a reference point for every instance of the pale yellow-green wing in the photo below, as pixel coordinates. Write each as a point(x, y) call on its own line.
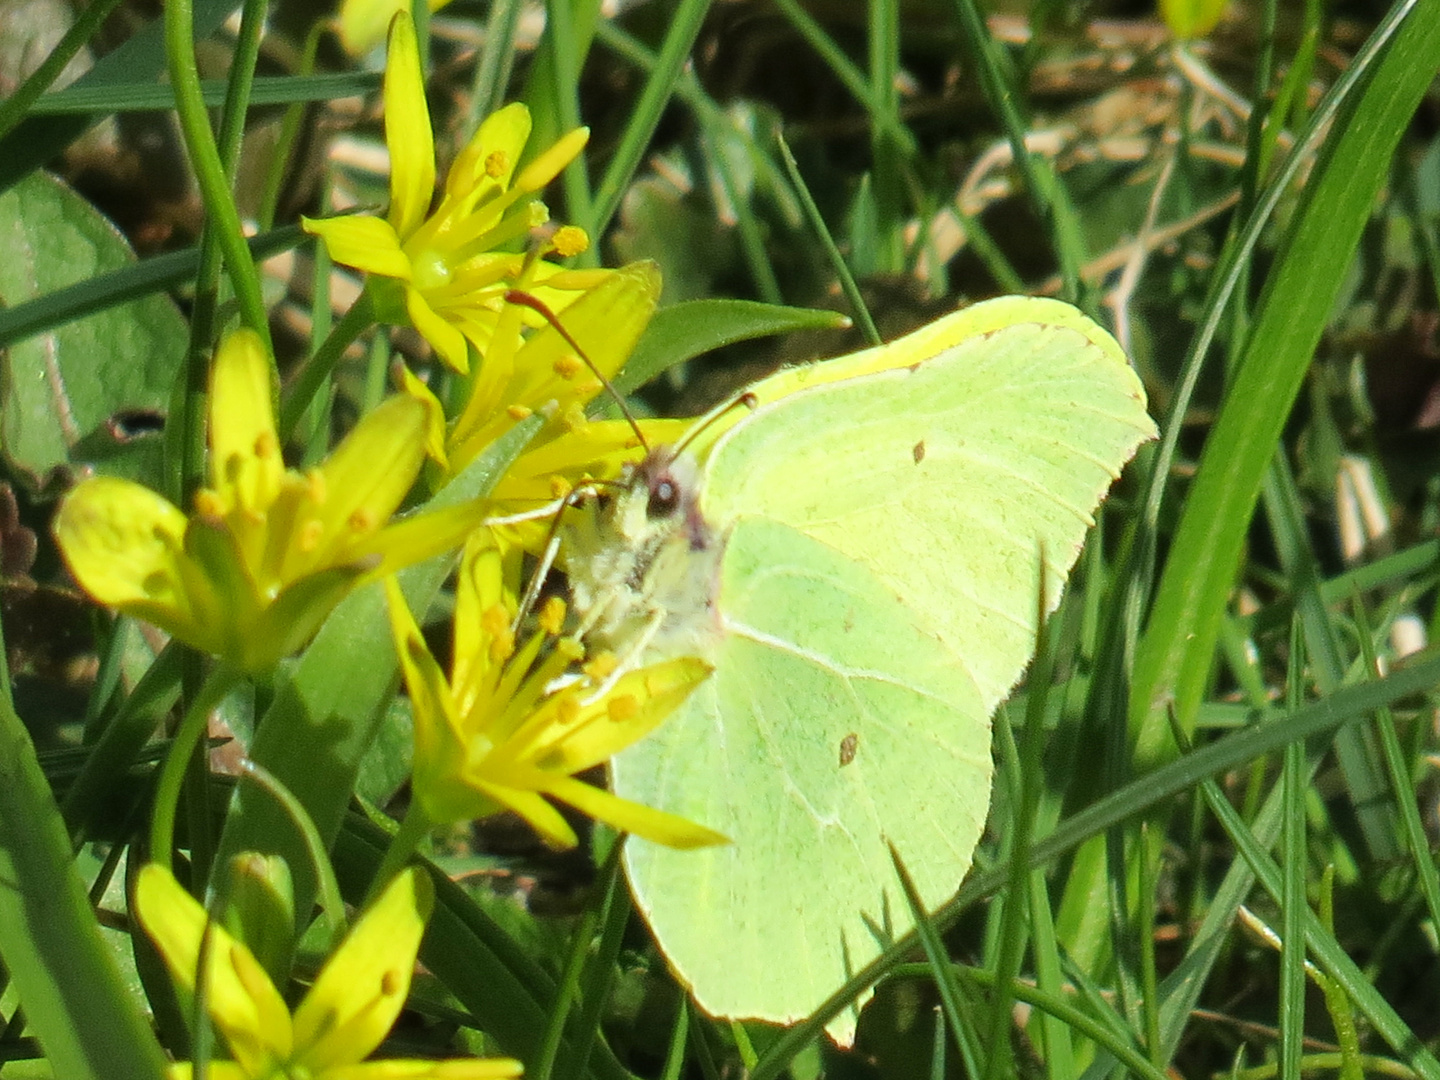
point(882, 516)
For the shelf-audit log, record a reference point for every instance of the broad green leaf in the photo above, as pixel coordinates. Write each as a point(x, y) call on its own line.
point(689, 329)
point(90, 392)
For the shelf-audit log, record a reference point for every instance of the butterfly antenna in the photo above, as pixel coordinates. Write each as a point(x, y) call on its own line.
point(534, 303)
point(746, 398)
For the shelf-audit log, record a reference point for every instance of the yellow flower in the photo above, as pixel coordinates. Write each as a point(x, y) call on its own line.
point(444, 273)
point(252, 573)
point(342, 1019)
point(363, 23)
point(499, 735)
point(541, 373)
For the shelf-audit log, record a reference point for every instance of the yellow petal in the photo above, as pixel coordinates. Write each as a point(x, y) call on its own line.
point(635, 706)
point(418, 537)
point(445, 339)
point(124, 544)
point(441, 747)
point(407, 130)
point(531, 806)
point(352, 495)
point(362, 988)
point(366, 243)
point(242, 1002)
point(644, 821)
point(489, 159)
point(416, 387)
point(549, 164)
point(480, 594)
point(455, 1069)
point(605, 322)
point(363, 23)
point(245, 461)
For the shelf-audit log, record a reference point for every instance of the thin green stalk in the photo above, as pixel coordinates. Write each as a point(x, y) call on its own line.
point(679, 1038)
point(237, 89)
point(306, 382)
point(220, 211)
point(850, 76)
point(1044, 186)
point(685, 24)
point(579, 203)
point(328, 896)
point(600, 969)
point(289, 132)
point(497, 57)
point(188, 738)
point(1293, 902)
point(837, 261)
point(569, 989)
point(60, 968)
point(15, 107)
point(1402, 786)
point(1350, 981)
point(414, 827)
point(120, 743)
point(752, 243)
point(1059, 1006)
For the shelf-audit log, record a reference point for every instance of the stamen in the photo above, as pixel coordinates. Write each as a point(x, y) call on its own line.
point(552, 616)
point(622, 707)
point(310, 535)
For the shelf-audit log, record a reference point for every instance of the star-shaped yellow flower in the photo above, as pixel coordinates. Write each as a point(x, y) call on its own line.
point(499, 734)
point(348, 1010)
point(447, 273)
point(539, 371)
point(252, 573)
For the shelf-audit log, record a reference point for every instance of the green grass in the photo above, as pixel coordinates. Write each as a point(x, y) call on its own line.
point(1210, 843)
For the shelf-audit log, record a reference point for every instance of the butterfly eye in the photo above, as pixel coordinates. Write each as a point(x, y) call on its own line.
point(664, 498)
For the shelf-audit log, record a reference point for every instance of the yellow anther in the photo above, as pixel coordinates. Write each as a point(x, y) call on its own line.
point(552, 616)
point(497, 163)
point(623, 707)
point(310, 535)
point(567, 710)
point(575, 418)
point(567, 367)
point(570, 240)
point(209, 505)
point(519, 412)
point(559, 486)
point(266, 444)
point(315, 481)
point(601, 665)
point(362, 520)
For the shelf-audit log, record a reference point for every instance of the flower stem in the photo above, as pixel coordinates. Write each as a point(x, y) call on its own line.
point(402, 845)
point(172, 773)
point(308, 380)
point(220, 211)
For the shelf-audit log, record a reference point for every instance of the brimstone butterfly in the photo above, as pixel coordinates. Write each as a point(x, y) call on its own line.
point(857, 554)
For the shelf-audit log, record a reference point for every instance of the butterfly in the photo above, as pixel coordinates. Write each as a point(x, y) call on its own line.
point(857, 553)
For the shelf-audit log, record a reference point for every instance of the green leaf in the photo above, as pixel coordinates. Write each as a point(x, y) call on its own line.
point(158, 97)
point(54, 955)
point(1175, 655)
point(686, 330)
point(72, 395)
point(41, 138)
